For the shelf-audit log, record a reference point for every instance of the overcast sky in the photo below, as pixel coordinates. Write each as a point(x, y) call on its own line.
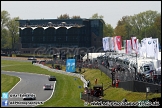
point(111, 10)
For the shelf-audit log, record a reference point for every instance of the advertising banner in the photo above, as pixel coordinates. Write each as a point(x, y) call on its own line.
point(70, 65)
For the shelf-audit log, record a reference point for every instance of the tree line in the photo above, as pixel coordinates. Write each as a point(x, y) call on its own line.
point(144, 24)
point(9, 31)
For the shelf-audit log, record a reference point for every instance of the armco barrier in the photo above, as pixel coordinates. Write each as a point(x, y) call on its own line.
point(64, 72)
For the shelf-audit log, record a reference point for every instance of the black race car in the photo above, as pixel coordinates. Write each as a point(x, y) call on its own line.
point(52, 78)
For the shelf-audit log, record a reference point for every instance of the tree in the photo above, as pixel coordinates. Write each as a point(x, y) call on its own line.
point(108, 30)
point(64, 16)
point(5, 16)
point(157, 25)
point(13, 27)
point(5, 39)
point(121, 31)
point(75, 17)
point(123, 28)
point(96, 16)
point(142, 23)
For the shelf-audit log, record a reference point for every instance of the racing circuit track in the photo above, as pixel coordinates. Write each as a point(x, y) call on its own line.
point(30, 83)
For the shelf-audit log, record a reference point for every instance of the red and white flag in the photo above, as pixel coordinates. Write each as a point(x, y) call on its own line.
point(133, 43)
point(118, 43)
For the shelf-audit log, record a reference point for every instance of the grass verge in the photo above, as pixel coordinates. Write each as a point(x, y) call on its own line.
point(67, 91)
point(8, 82)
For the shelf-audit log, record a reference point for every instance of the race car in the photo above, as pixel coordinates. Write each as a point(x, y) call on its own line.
point(52, 78)
point(28, 96)
point(32, 58)
point(48, 87)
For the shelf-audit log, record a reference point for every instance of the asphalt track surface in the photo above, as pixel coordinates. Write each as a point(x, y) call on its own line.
point(16, 59)
point(30, 83)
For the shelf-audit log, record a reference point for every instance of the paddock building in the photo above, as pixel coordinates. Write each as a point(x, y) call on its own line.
point(60, 33)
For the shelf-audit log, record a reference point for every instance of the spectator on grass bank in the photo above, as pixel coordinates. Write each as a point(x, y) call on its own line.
point(89, 91)
point(117, 83)
point(107, 65)
point(124, 100)
point(103, 63)
point(95, 81)
point(85, 90)
point(113, 69)
point(92, 92)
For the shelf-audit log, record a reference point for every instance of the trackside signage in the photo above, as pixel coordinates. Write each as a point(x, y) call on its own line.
point(70, 65)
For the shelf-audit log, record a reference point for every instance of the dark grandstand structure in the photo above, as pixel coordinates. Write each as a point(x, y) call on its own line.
point(60, 33)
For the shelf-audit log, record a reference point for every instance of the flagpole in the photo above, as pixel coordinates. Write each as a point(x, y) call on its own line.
point(136, 67)
point(136, 51)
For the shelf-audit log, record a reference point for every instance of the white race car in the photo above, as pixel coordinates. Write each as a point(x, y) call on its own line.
point(29, 96)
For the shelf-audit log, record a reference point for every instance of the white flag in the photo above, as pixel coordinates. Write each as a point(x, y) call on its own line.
point(149, 48)
point(104, 44)
point(128, 47)
point(143, 47)
point(107, 44)
point(156, 47)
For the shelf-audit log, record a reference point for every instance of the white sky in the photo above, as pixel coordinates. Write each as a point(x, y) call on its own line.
point(111, 10)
